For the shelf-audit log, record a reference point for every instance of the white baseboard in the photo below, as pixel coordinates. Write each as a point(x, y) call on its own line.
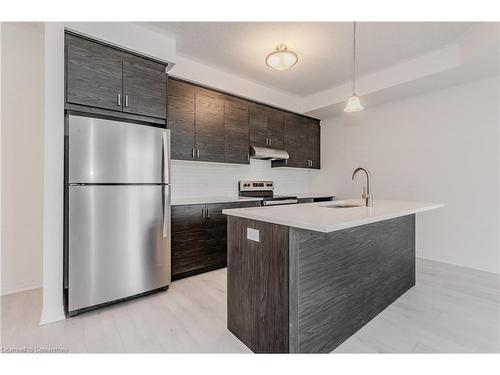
point(20, 286)
point(458, 264)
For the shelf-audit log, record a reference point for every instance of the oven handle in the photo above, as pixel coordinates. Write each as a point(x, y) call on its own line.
point(278, 202)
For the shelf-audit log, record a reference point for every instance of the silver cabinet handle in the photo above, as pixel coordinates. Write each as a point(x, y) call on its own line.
point(192, 152)
point(203, 212)
point(126, 100)
point(119, 100)
point(207, 214)
point(270, 141)
point(198, 153)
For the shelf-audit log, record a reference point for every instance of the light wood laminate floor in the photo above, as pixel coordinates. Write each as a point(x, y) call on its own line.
point(451, 309)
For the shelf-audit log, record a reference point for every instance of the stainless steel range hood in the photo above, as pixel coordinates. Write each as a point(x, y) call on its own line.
point(265, 153)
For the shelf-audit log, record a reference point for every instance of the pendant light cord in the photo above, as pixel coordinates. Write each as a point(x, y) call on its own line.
point(354, 59)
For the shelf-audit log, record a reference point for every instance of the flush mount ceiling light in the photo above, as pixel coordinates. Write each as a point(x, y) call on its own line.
point(282, 58)
point(353, 104)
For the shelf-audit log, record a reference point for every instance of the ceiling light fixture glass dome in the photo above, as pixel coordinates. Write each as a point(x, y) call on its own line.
point(282, 58)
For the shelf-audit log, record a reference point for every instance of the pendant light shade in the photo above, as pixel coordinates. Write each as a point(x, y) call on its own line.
point(353, 103)
point(282, 58)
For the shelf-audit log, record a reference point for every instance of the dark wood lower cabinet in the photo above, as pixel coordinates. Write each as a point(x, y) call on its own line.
point(199, 237)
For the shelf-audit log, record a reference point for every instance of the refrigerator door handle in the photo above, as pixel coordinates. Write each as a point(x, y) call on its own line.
point(166, 210)
point(166, 156)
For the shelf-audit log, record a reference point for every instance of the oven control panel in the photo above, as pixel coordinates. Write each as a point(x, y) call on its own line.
point(256, 185)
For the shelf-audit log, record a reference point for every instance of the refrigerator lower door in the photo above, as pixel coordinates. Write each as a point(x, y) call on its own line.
point(119, 242)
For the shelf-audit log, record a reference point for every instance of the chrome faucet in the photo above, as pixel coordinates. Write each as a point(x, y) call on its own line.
point(367, 193)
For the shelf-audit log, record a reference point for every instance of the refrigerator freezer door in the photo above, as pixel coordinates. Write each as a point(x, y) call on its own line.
point(105, 151)
point(119, 242)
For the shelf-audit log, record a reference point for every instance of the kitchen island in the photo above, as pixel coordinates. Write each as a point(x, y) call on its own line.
point(304, 278)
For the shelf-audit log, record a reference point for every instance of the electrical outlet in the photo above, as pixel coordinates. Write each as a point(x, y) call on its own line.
point(253, 234)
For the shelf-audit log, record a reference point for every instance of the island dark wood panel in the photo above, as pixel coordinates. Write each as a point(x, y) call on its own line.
point(257, 285)
point(339, 281)
point(336, 282)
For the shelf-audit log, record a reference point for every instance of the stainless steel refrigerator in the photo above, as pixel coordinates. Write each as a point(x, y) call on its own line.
point(117, 211)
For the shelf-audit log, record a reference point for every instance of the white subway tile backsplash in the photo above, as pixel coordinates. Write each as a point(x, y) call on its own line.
point(194, 179)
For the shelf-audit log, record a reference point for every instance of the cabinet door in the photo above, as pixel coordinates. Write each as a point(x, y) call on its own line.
point(216, 235)
point(314, 138)
point(144, 87)
point(209, 136)
point(236, 131)
point(181, 119)
point(275, 128)
point(216, 231)
point(258, 125)
point(189, 239)
point(93, 74)
point(199, 237)
point(296, 142)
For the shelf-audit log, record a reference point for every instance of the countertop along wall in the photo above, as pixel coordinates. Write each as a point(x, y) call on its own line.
point(438, 147)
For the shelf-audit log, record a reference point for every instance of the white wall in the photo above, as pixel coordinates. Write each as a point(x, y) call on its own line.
point(52, 308)
point(22, 156)
point(440, 147)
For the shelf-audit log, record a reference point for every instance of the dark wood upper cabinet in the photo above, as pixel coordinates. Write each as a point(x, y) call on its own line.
point(296, 142)
point(94, 74)
point(209, 125)
point(144, 87)
point(266, 126)
point(105, 77)
point(258, 125)
point(314, 137)
point(302, 142)
point(236, 122)
point(276, 128)
point(181, 119)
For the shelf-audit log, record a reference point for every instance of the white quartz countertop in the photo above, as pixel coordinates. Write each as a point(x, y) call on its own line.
point(313, 195)
point(208, 200)
point(318, 217)
point(179, 201)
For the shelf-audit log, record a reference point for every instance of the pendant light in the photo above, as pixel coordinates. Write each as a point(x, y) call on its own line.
point(282, 58)
point(353, 104)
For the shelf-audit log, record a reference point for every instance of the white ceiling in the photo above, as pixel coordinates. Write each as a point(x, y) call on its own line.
point(324, 48)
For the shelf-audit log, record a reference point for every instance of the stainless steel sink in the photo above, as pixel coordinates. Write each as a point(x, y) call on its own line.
point(343, 205)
